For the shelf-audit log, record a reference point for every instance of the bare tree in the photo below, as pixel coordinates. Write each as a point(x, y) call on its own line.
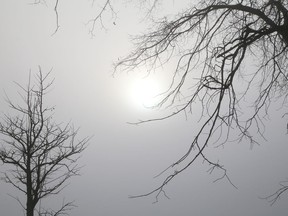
point(209, 46)
point(40, 155)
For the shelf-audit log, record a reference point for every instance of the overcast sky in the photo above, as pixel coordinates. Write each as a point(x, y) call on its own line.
point(122, 159)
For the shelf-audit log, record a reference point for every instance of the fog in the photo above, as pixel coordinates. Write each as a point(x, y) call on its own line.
point(122, 159)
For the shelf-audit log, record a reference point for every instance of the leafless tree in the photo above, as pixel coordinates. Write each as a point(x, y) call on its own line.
point(209, 46)
point(40, 155)
point(211, 43)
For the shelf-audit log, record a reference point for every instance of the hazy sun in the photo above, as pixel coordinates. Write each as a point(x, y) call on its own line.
point(144, 91)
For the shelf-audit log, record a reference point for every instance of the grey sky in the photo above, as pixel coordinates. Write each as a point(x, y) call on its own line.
point(122, 159)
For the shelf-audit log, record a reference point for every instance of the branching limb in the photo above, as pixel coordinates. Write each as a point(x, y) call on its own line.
point(99, 17)
point(211, 44)
point(277, 195)
point(56, 17)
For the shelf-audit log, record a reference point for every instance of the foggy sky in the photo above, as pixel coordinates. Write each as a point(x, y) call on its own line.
point(122, 159)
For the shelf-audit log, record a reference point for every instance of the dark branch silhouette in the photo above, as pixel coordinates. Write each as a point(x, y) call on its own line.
point(212, 42)
point(40, 155)
point(278, 193)
point(107, 8)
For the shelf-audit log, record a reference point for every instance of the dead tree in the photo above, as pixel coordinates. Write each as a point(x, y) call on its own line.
point(40, 154)
point(209, 46)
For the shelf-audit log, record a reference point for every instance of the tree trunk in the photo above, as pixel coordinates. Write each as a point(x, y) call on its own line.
point(29, 203)
point(29, 209)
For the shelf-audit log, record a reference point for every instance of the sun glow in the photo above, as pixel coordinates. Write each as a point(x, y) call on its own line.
point(143, 92)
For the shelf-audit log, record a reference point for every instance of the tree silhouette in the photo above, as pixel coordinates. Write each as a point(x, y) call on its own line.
point(40, 155)
point(209, 46)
